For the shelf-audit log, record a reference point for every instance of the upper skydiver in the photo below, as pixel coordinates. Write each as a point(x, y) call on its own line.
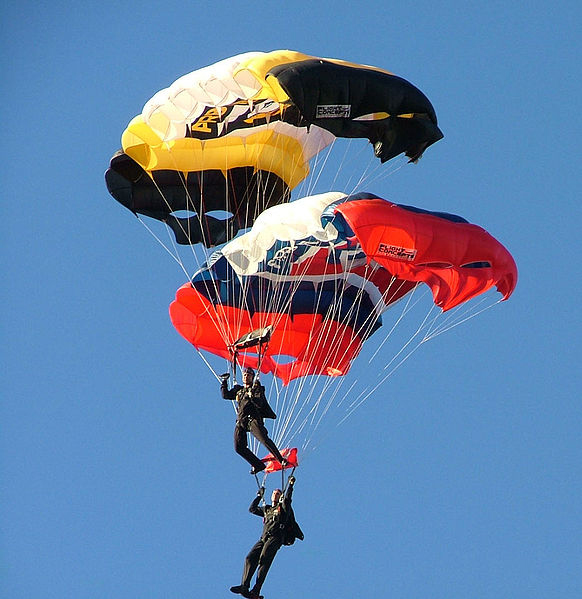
point(252, 407)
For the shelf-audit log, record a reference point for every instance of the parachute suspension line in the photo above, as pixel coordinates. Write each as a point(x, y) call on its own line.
point(213, 290)
point(261, 354)
point(380, 172)
point(292, 410)
point(412, 338)
point(405, 345)
point(219, 323)
point(196, 261)
point(293, 414)
point(334, 314)
point(175, 255)
point(203, 223)
point(157, 238)
point(357, 178)
point(364, 334)
point(287, 407)
point(348, 187)
point(470, 312)
point(233, 365)
point(261, 484)
point(391, 369)
point(366, 328)
point(207, 364)
point(277, 301)
point(284, 422)
point(319, 162)
point(260, 291)
point(354, 308)
point(428, 335)
point(275, 304)
point(317, 420)
point(310, 417)
point(361, 174)
point(191, 207)
point(284, 484)
point(365, 395)
point(407, 308)
point(316, 415)
point(239, 321)
point(308, 445)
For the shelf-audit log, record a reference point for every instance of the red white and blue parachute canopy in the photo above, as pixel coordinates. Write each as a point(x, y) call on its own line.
point(321, 271)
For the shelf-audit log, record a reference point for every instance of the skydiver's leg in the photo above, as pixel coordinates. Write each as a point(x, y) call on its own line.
point(270, 548)
point(262, 435)
point(251, 563)
point(242, 448)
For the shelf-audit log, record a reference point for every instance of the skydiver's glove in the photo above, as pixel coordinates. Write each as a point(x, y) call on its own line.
point(224, 377)
point(291, 480)
point(261, 492)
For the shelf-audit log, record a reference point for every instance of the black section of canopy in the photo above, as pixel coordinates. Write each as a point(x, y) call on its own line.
point(315, 84)
point(244, 193)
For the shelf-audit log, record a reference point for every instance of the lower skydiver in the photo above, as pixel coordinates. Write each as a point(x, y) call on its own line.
point(279, 528)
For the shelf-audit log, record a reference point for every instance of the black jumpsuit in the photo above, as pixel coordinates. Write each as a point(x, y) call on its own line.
point(252, 408)
point(275, 519)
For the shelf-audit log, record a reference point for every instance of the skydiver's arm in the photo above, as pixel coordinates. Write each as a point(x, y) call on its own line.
point(255, 508)
point(229, 393)
point(288, 495)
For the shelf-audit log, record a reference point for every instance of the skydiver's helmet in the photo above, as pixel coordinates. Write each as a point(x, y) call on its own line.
point(249, 370)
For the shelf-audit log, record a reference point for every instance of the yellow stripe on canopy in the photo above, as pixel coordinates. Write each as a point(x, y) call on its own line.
point(264, 149)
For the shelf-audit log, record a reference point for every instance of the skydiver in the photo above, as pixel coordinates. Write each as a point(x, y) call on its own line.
point(252, 407)
point(279, 528)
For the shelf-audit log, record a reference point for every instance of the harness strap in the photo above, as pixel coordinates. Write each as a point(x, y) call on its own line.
point(261, 484)
point(283, 484)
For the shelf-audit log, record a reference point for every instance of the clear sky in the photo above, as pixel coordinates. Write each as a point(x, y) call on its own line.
point(460, 478)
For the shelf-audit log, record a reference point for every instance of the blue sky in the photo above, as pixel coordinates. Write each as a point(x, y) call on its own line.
point(459, 478)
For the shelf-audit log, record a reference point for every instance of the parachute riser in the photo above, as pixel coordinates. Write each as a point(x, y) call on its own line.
point(233, 363)
point(284, 485)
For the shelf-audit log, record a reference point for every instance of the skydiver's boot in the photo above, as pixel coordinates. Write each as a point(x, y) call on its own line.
point(256, 469)
point(241, 589)
point(255, 594)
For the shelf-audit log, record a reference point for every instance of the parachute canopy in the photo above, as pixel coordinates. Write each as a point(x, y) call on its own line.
point(237, 136)
point(321, 271)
